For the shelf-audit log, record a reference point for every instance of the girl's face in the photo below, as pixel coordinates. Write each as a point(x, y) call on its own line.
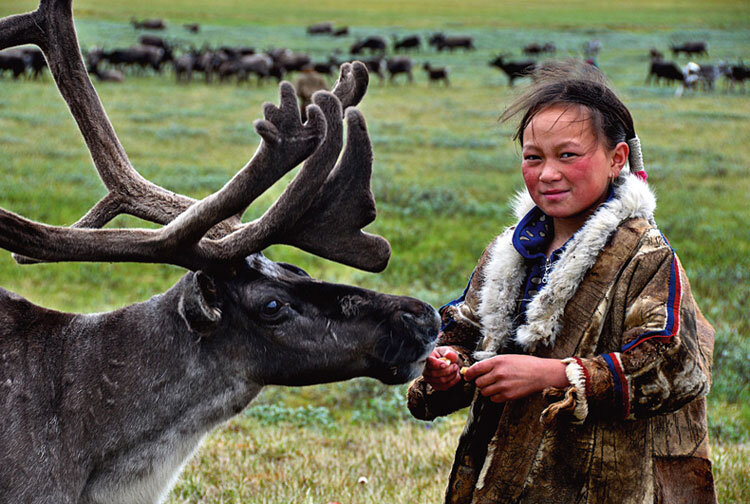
point(566, 169)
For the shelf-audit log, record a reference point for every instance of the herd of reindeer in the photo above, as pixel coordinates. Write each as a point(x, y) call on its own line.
point(383, 58)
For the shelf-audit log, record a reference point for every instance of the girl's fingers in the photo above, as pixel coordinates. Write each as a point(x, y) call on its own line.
point(436, 362)
point(441, 372)
point(491, 390)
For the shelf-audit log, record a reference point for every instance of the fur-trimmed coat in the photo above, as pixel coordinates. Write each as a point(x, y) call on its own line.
point(618, 310)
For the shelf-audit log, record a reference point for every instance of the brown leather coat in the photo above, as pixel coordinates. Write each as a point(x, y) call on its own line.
point(618, 309)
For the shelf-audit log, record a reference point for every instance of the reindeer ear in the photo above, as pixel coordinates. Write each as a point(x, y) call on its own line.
point(198, 304)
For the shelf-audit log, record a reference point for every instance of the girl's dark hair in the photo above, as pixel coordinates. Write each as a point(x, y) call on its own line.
point(575, 83)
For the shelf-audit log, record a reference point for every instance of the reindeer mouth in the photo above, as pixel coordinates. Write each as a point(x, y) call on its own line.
point(406, 371)
point(402, 373)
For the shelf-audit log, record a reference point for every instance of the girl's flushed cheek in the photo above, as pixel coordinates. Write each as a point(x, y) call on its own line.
point(530, 178)
point(580, 169)
point(587, 180)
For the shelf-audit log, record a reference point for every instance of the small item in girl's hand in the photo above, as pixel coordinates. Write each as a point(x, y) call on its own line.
point(445, 359)
point(463, 370)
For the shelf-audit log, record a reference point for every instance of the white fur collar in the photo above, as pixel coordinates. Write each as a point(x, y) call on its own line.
point(504, 272)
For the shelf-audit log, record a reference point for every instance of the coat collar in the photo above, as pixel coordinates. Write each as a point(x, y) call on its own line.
point(504, 272)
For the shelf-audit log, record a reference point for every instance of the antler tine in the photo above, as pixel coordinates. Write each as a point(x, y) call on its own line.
point(20, 29)
point(331, 228)
point(55, 243)
point(299, 194)
point(286, 143)
point(351, 85)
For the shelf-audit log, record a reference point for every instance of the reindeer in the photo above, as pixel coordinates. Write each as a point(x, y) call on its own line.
point(374, 43)
point(399, 65)
point(436, 74)
point(148, 24)
point(375, 65)
point(35, 62)
point(107, 407)
point(407, 43)
point(667, 70)
point(320, 28)
point(14, 61)
point(735, 74)
point(698, 48)
point(535, 49)
point(440, 41)
point(513, 69)
point(340, 32)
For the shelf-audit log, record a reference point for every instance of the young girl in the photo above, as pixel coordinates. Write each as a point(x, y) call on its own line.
point(577, 343)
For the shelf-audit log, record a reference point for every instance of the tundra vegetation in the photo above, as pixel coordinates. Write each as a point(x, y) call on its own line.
point(444, 170)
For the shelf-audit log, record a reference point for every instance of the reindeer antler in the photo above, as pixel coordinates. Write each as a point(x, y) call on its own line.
point(208, 233)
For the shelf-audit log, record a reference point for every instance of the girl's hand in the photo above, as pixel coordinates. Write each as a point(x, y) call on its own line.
point(506, 377)
point(441, 370)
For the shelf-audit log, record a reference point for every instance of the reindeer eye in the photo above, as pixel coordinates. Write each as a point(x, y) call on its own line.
point(271, 308)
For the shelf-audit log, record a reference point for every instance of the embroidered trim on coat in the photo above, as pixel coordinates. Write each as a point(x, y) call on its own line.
point(578, 377)
point(672, 325)
point(621, 384)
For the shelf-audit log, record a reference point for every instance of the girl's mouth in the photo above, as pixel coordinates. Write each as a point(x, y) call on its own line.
point(555, 194)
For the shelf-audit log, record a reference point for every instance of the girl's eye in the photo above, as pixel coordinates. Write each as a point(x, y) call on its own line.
point(531, 157)
point(568, 155)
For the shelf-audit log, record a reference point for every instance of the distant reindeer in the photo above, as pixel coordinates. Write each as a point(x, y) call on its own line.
point(513, 69)
point(699, 48)
point(655, 54)
point(107, 407)
point(14, 61)
point(149, 24)
point(374, 43)
point(735, 74)
point(667, 70)
point(408, 43)
point(320, 28)
point(399, 65)
point(140, 57)
point(35, 62)
point(340, 32)
point(535, 49)
point(440, 41)
point(436, 74)
point(155, 41)
point(375, 65)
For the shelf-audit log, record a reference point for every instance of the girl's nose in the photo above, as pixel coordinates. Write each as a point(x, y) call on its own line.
point(549, 172)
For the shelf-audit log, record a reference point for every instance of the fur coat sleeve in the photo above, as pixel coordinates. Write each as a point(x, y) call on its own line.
point(664, 357)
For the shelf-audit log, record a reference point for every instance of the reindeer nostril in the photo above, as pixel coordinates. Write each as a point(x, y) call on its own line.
point(408, 318)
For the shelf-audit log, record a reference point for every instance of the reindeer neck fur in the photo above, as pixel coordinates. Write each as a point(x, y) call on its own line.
point(505, 272)
point(186, 387)
point(192, 387)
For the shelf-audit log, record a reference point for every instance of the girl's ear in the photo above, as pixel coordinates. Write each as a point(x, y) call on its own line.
point(619, 157)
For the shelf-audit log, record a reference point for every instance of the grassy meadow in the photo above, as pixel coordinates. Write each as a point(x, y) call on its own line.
point(444, 172)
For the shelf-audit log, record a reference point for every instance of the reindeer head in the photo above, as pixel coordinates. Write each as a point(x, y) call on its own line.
point(296, 330)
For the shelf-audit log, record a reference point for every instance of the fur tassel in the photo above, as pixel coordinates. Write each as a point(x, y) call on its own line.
point(551, 412)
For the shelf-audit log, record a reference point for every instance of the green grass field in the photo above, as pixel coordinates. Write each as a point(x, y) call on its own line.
point(443, 174)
